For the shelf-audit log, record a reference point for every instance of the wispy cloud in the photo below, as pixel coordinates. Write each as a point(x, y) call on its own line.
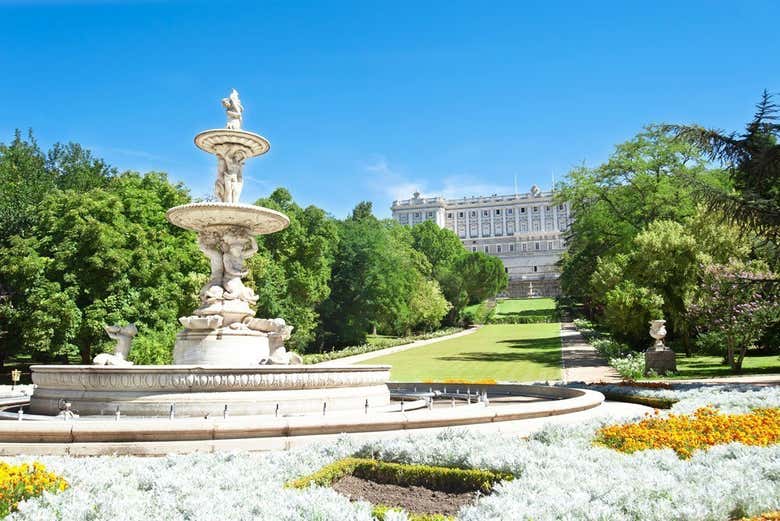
point(129, 152)
point(396, 184)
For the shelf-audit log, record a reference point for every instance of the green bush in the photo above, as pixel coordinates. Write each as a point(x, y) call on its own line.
point(405, 475)
point(608, 348)
point(630, 367)
point(542, 318)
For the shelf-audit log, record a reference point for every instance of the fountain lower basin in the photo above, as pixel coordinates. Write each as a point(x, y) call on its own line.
point(199, 390)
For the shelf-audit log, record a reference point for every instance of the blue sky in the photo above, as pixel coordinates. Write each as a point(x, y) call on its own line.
point(371, 100)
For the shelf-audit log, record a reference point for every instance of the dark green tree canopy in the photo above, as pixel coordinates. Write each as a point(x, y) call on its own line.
point(752, 160)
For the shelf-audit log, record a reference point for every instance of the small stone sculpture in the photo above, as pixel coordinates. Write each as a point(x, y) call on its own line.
point(234, 110)
point(278, 331)
point(658, 332)
point(124, 338)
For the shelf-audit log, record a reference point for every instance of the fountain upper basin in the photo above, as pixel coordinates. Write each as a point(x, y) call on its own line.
point(203, 216)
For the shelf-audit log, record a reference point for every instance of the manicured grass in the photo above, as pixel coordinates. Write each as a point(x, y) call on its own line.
point(702, 366)
point(522, 305)
point(501, 352)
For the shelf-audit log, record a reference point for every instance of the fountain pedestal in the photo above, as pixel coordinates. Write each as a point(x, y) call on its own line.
point(223, 330)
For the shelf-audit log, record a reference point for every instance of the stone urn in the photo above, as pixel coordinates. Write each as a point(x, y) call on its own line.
point(658, 332)
point(659, 358)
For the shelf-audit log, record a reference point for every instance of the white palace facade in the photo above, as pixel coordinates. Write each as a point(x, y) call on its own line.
point(526, 231)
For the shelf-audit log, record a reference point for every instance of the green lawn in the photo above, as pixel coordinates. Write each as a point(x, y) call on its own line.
point(522, 306)
point(501, 352)
point(711, 366)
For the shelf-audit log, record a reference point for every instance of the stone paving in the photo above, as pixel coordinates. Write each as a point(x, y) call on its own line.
point(581, 361)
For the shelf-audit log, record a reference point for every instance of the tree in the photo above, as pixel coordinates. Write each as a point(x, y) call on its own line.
point(612, 203)
point(375, 274)
point(483, 276)
point(292, 268)
point(439, 245)
point(736, 303)
point(428, 305)
point(24, 182)
point(100, 257)
point(75, 168)
point(752, 160)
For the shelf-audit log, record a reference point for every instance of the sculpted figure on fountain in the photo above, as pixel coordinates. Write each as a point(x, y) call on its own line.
point(124, 337)
point(230, 176)
point(234, 110)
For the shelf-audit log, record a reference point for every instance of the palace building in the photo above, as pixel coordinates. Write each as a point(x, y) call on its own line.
point(526, 231)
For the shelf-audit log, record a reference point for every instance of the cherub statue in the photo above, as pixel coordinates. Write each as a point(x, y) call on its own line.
point(234, 110)
point(124, 337)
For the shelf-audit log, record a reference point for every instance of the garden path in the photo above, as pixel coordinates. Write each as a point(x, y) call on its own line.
point(581, 361)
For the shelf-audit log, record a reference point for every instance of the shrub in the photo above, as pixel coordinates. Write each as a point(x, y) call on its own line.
point(630, 367)
point(608, 348)
point(20, 482)
point(436, 478)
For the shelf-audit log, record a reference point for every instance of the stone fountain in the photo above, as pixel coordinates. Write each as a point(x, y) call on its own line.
point(223, 330)
point(225, 359)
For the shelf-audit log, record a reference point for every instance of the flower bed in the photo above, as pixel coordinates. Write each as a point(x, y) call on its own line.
point(685, 434)
point(24, 481)
point(558, 474)
point(443, 479)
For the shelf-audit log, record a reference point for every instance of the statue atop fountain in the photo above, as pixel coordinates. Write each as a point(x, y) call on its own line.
point(234, 110)
point(223, 330)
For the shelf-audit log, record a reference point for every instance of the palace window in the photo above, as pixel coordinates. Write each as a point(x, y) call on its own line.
point(498, 211)
point(449, 215)
point(525, 246)
point(535, 269)
point(473, 248)
point(485, 213)
point(417, 214)
point(498, 248)
point(549, 245)
point(473, 213)
point(522, 210)
point(536, 247)
point(511, 247)
point(509, 211)
point(460, 214)
point(430, 214)
point(487, 249)
point(536, 208)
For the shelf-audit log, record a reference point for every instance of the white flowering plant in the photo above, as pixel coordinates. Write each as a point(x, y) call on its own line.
point(559, 475)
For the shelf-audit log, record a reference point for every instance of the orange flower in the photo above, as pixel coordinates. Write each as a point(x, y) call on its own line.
point(686, 434)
